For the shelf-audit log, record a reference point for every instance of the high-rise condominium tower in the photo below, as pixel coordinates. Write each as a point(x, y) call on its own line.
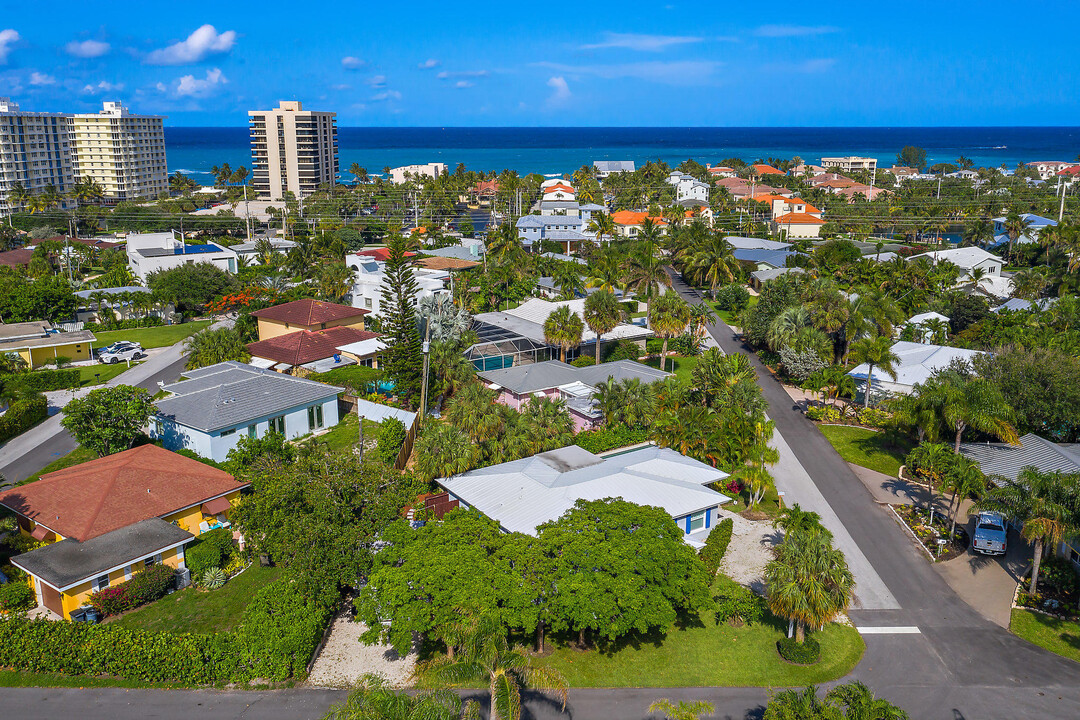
point(292, 150)
point(123, 153)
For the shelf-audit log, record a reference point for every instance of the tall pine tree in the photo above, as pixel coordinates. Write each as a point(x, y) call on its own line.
point(402, 361)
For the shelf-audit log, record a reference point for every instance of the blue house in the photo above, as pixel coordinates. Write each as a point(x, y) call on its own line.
point(215, 406)
point(524, 494)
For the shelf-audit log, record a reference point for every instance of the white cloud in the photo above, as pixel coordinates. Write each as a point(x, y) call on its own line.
point(191, 86)
point(446, 74)
point(7, 38)
point(816, 66)
point(198, 45)
point(386, 95)
point(560, 91)
point(641, 43)
point(87, 48)
point(160, 87)
point(689, 72)
point(102, 88)
point(37, 78)
point(463, 84)
point(341, 86)
point(775, 31)
point(377, 81)
point(428, 64)
point(352, 63)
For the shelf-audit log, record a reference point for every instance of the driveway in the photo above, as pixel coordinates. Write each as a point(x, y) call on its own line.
point(987, 583)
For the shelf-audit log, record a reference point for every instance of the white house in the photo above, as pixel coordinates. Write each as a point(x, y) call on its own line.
point(1049, 168)
point(968, 259)
point(606, 168)
point(217, 405)
point(560, 191)
point(369, 274)
point(248, 249)
point(1035, 223)
point(431, 170)
point(921, 323)
point(917, 362)
point(524, 494)
point(688, 187)
point(150, 252)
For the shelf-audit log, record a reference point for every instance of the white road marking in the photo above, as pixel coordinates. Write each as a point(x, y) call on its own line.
point(894, 630)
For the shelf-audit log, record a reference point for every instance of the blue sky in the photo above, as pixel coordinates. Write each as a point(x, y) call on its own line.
point(553, 63)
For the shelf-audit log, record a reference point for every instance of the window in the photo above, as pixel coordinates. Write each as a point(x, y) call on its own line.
point(367, 303)
point(315, 417)
point(158, 429)
point(230, 431)
point(252, 431)
point(277, 424)
point(697, 521)
point(127, 572)
point(100, 582)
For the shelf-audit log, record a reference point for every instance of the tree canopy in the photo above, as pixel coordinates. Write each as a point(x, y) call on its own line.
point(108, 419)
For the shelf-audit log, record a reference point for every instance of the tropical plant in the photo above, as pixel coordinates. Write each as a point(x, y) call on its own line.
point(681, 710)
point(669, 315)
point(486, 656)
point(965, 400)
point(1045, 505)
point(602, 314)
point(875, 352)
point(213, 578)
point(809, 581)
point(215, 345)
point(373, 699)
point(564, 328)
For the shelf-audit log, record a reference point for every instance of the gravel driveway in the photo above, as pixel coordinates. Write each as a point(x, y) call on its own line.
point(344, 658)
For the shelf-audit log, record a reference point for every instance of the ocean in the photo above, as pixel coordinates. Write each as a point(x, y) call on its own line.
point(194, 150)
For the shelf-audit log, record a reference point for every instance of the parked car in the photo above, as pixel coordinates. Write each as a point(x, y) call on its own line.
point(120, 351)
point(991, 534)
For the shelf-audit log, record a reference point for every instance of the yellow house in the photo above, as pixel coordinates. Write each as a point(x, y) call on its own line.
point(37, 343)
point(307, 314)
point(104, 520)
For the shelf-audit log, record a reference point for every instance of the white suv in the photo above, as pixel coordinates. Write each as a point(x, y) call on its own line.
point(120, 351)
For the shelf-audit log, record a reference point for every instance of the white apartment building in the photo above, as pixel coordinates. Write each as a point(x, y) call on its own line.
point(150, 252)
point(121, 152)
point(292, 150)
point(370, 274)
point(688, 187)
point(431, 170)
point(35, 151)
point(851, 163)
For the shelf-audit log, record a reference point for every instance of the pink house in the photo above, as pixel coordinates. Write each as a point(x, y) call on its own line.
point(573, 385)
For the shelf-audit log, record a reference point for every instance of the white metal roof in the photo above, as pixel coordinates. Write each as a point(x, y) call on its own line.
point(917, 362)
point(523, 494)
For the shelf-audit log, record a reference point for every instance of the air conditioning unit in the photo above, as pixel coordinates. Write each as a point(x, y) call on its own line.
point(183, 578)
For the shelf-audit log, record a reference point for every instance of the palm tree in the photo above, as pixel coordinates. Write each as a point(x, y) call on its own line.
point(564, 328)
point(1045, 504)
point(212, 346)
point(602, 224)
point(669, 316)
point(963, 479)
point(700, 317)
point(374, 699)
point(335, 281)
point(486, 656)
point(1016, 226)
point(650, 231)
point(602, 314)
point(712, 261)
point(875, 352)
point(443, 451)
point(682, 710)
point(980, 232)
point(858, 703)
point(785, 325)
point(935, 330)
point(646, 272)
point(796, 705)
point(969, 401)
point(809, 581)
point(17, 196)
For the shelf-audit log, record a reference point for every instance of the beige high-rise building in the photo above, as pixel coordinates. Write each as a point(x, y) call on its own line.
point(123, 153)
point(292, 150)
point(35, 152)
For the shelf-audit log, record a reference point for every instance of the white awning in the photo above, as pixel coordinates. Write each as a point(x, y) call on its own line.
point(263, 363)
point(363, 348)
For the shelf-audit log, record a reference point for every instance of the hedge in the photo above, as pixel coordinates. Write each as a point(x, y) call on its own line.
point(806, 653)
point(610, 437)
point(391, 437)
point(129, 324)
point(43, 380)
point(15, 595)
point(23, 415)
point(716, 545)
point(143, 587)
point(276, 639)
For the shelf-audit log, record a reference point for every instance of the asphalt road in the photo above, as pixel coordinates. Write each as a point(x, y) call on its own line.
point(958, 666)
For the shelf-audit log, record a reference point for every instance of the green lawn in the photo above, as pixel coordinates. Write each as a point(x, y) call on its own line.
point(98, 373)
point(152, 337)
point(1058, 636)
point(345, 434)
point(18, 678)
point(683, 365)
point(879, 451)
point(707, 654)
point(194, 611)
point(731, 317)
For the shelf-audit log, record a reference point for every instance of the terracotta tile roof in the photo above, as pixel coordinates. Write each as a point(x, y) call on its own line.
point(557, 188)
point(798, 219)
point(629, 217)
point(486, 187)
point(380, 254)
point(309, 312)
point(767, 170)
point(446, 263)
point(17, 257)
point(99, 496)
point(304, 346)
point(720, 169)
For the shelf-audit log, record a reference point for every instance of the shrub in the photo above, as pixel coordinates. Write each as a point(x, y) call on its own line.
point(734, 487)
point(610, 437)
point(806, 653)
point(687, 345)
point(824, 414)
point(622, 350)
point(391, 437)
point(43, 380)
point(11, 572)
point(129, 324)
point(22, 543)
point(583, 361)
point(1057, 575)
point(23, 415)
point(800, 365)
point(143, 587)
point(716, 545)
point(279, 632)
point(213, 578)
point(16, 596)
point(875, 418)
point(732, 298)
point(111, 600)
point(739, 603)
point(211, 551)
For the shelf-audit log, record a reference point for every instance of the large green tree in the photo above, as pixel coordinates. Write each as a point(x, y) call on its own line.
point(108, 419)
point(1042, 385)
point(192, 286)
point(809, 581)
point(669, 316)
point(402, 359)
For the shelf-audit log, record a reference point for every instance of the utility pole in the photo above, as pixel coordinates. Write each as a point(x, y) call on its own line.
point(424, 380)
point(247, 215)
point(1061, 207)
point(360, 422)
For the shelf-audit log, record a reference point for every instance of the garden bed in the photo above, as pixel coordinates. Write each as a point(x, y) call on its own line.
point(1058, 590)
point(918, 521)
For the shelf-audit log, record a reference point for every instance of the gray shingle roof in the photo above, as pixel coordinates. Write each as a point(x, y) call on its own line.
point(773, 273)
point(69, 562)
point(1009, 460)
point(232, 393)
point(523, 379)
point(776, 258)
point(542, 221)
